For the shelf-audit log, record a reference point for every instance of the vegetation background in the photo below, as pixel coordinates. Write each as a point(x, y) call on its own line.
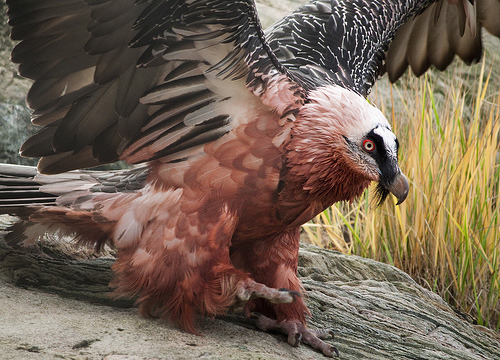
point(446, 235)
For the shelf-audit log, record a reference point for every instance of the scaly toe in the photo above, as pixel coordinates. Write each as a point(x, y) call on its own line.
point(324, 334)
point(296, 333)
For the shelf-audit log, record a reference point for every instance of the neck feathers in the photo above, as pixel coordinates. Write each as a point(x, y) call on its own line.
point(319, 161)
point(324, 172)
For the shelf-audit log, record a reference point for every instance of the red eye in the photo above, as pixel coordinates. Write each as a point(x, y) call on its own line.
point(368, 145)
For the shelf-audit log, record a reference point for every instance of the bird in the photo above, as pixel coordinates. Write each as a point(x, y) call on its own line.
point(235, 137)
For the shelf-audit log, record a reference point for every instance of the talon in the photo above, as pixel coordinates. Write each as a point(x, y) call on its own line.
point(294, 339)
point(298, 336)
point(331, 351)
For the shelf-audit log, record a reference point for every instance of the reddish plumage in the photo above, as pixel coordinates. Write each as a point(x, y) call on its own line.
point(195, 235)
point(201, 235)
point(220, 230)
point(243, 141)
point(210, 209)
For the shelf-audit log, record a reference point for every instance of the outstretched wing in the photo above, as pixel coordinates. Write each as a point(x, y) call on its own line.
point(137, 79)
point(345, 41)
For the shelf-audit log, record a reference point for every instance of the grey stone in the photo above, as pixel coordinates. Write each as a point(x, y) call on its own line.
point(375, 310)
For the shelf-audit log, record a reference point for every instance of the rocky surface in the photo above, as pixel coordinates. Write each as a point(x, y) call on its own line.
point(375, 310)
point(15, 127)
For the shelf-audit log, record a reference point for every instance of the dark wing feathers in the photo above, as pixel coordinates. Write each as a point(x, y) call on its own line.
point(60, 162)
point(488, 11)
point(438, 34)
point(147, 79)
point(133, 79)
point(182, 33)
point(41, 142)
point(342, 40)
point(86, 119)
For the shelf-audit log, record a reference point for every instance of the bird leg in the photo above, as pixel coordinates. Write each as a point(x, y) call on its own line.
point(297, 332)
point(278, 269)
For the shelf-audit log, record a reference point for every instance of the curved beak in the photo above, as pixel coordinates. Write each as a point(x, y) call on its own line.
point(399, 187)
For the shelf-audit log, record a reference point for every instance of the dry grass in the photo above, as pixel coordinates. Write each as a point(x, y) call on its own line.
point(446, 235)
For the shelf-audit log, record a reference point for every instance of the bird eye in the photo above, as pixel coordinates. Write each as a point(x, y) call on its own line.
point(368, 145)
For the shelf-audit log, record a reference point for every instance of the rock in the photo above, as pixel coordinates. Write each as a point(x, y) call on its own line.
point(375, 310)
point(14, 87)
point(15, 127)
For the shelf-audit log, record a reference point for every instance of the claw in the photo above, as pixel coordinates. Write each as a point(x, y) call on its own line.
point(295, 339)
point(333, 349)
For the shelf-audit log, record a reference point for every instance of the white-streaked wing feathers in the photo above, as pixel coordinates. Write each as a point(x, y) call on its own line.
point(348, 42)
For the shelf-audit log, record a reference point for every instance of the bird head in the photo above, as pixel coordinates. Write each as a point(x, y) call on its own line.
point(374, 151)
point(345, 127)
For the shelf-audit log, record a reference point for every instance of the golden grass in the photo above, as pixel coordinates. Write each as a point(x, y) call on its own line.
point(446, 235)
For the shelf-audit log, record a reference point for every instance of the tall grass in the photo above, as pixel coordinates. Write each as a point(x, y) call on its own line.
point(446, 234)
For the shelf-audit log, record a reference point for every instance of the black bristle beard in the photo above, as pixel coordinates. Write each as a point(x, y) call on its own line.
point(381, 193)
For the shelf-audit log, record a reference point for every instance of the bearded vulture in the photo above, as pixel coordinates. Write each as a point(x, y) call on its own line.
point(242, 136)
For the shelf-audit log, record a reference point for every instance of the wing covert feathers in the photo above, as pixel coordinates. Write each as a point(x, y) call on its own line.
point(348, 42)
point(130, 80)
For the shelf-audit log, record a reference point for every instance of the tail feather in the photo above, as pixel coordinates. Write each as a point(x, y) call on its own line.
point(19, 190)
point(22, 186)
point(65, 204)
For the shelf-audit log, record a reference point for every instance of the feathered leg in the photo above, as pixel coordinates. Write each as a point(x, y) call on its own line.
point(176, 260)
point(273, 262)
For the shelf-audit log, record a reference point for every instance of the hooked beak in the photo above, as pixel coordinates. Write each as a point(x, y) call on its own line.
point(399, 187)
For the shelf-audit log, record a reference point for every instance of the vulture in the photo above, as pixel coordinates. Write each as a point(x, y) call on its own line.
point(235, 136)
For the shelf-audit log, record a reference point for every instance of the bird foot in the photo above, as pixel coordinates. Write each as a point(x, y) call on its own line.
point(252, 290)
point(297, 332)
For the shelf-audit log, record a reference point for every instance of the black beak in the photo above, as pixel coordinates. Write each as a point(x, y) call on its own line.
point(399, 187)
